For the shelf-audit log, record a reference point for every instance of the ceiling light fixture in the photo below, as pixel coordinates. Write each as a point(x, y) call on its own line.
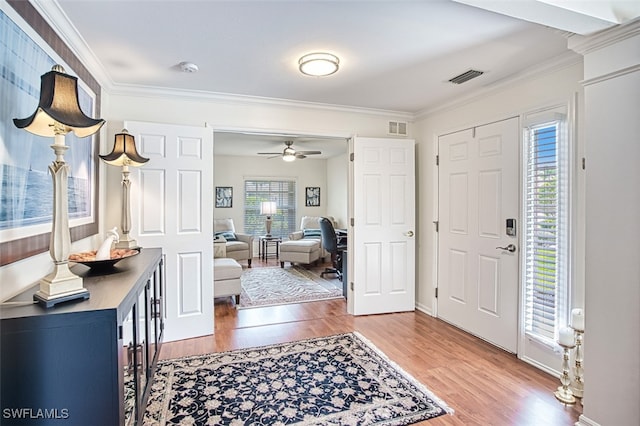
point(289, 154)
point(318, 64)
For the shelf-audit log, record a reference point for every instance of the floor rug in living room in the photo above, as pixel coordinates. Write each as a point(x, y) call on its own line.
point(336, 380)
point(278, 286)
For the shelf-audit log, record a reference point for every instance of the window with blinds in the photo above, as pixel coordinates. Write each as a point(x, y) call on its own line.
point(546, 229)
point(283, 193)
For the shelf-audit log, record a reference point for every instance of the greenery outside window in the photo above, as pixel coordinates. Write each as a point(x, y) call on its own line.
point(283, 193)
point(546, 225)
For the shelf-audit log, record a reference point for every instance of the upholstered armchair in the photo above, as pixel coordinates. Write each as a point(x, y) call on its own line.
point(310, 228)
point(238, 246)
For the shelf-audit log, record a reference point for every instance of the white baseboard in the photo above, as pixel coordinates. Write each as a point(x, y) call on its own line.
point(585, 421)
point(424, 308)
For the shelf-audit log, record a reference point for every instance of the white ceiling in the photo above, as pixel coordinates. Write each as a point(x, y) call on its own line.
point(394, 55)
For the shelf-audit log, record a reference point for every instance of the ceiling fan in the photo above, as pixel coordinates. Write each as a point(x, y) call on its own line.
point(290, 154)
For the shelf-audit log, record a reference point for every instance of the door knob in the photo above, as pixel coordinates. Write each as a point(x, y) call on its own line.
point(409, 234)
point(510, 248)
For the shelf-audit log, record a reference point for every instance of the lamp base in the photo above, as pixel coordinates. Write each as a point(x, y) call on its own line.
point(564, 396)
point(59, 286)
point(126, 243)
point(49, 301)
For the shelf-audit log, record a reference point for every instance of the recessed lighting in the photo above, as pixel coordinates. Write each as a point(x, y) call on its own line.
point(318, 64)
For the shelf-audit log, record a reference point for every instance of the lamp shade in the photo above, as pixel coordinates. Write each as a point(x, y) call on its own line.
point(59, 105)
point(268, 208)
point(124, 151)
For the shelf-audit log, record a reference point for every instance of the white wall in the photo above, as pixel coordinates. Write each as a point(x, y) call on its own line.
point(337, 185)
point(554, 86)
point(232, 171)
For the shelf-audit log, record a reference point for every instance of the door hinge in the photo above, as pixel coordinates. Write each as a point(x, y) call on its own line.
point(584, 163)
point(436, 292)
point(119, 332)
point(437, 224)
point(437, 160)
point(351, 157)
point(351, 221)
point(351, 285)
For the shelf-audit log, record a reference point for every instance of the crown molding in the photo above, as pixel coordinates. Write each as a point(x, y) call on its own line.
point(200, 95)
point(587, 44)
point(560, 62)
point(51, 11)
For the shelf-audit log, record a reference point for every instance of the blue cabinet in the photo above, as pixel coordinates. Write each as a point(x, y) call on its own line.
point(85, 362)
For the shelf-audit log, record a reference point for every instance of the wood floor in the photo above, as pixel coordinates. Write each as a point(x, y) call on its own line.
point(483, 384)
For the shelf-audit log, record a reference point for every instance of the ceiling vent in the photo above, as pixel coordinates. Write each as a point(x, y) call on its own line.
point(466, 76)
point(398, 128)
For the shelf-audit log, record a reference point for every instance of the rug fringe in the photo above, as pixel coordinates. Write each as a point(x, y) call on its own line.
point(412, 379)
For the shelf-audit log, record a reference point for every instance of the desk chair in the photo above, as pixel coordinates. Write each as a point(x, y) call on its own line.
point(330, 244)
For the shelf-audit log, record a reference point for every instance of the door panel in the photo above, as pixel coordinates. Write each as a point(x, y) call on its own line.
point(478, 191)
point(175, 212)
point(383, 233)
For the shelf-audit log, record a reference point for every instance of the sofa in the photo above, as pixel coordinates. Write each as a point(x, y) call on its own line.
point(239, 246)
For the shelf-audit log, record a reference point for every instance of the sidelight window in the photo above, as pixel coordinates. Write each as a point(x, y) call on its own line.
point(546, 227)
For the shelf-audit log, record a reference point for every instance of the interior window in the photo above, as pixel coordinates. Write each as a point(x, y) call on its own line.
point(546, 236)
point(283, 193)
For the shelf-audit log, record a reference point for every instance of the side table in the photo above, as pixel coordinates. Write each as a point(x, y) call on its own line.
point(263, 247)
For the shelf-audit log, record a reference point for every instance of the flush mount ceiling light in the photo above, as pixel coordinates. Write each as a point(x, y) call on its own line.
point(318, 64)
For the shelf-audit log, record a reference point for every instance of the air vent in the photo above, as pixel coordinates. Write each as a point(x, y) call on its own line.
point(398, 128)
point(466, 76)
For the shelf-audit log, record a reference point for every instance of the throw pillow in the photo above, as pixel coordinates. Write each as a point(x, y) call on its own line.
point(228, 235)
point(311, 233)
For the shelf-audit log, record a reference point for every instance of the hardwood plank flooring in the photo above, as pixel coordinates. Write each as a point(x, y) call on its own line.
point(483, 384)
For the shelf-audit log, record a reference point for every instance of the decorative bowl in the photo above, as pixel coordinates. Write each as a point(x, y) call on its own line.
point(88, 258)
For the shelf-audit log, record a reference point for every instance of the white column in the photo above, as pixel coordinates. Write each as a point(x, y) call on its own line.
point(612, 276)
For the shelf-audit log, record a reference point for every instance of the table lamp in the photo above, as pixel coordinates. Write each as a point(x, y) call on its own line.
point(268, 208)
point(57, 114)
point(125, 154)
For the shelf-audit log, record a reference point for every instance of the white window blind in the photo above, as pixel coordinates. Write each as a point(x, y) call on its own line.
point(283, 192)
point(546, 229)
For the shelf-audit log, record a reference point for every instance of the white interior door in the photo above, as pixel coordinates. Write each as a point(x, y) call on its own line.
point(173, 209)
point(478, 193)
point(382, 266)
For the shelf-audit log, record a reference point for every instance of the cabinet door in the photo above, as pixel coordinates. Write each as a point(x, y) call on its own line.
point(141, 352)
point(156, 320)
point(129, 381)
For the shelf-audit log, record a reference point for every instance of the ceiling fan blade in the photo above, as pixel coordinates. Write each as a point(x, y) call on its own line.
point(300, 156)
point(309, 152)
point(269, 153)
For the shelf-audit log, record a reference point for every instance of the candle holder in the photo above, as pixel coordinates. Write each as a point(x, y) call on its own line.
point(564, 393)
point(577, 387)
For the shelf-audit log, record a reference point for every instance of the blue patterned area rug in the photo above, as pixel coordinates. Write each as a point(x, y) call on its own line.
point(336, 380)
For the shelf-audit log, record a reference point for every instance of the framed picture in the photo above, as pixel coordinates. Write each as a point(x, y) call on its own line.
point(26, 193)
point(312, 196)
point(224, 197)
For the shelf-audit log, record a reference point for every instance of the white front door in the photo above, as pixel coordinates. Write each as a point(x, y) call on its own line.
point(382, 266)
point(478, 194)
point(173, 209)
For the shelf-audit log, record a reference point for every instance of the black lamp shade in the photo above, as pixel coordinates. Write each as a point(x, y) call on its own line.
point(124, 151)
point(59, 104)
